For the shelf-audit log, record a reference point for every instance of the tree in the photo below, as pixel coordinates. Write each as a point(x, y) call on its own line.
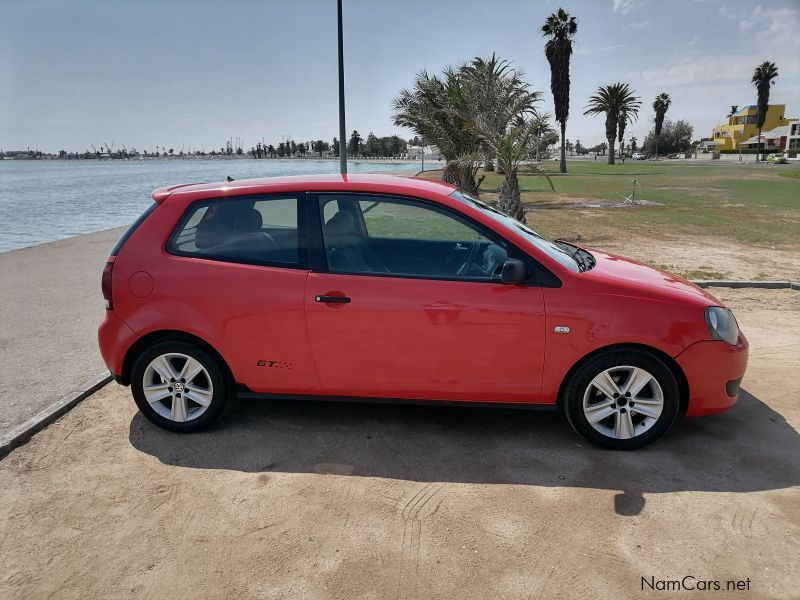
point(544, 134)
point(620, 138)
point(282, 149)
point(445, 109)
point(272, 152)
point(560, 27)
point(763, 78)
point(320, 146)
point(734, 110)
point(438, 108)
point(615, 101)
point(633, 144)
point(373, 147)
point(392, 145)
point(675, 136)
point(335, 146)
point(660, 105)
point(354, 145)
point(301, 148)
point(510, 148)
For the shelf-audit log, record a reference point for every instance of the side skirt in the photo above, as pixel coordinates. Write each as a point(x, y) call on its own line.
point(248, 395)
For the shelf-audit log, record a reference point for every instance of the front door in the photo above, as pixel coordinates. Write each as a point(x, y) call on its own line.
point(412, 307)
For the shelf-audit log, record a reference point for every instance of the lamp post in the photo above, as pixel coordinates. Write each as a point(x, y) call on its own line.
point(342, 128)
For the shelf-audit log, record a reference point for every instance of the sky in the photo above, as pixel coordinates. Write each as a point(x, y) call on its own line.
point(193, 73)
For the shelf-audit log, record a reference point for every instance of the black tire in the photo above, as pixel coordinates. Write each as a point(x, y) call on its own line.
point(581, 378)
point(221, 386)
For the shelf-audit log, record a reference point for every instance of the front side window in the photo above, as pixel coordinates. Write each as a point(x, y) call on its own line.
point(257, 230)
point(554, 250)
point(406, 238)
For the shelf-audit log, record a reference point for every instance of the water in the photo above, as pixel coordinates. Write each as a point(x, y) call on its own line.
point(42, 201)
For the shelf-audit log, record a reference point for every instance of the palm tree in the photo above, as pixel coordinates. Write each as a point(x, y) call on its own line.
point(763, 78)
point(443, 109)
point(660, 105)
point(621, 126)
point(615, 101)
point(561, 27)
point(543, 131)
point(510, 148)
point(431, 108)
point(734, 110)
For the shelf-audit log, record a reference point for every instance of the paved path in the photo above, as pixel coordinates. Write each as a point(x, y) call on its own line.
point(50, 307)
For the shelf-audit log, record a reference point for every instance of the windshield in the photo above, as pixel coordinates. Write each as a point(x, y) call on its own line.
point(553, 250)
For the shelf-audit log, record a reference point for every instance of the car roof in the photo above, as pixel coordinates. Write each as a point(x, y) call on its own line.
point(390, 184)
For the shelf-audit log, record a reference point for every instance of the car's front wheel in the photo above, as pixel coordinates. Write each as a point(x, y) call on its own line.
point(622, 399)
point(179, 386)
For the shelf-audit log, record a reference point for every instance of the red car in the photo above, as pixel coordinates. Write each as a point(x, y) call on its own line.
point(392, 288)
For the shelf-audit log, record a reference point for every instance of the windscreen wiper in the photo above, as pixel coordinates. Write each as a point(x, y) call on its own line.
point(583, 265)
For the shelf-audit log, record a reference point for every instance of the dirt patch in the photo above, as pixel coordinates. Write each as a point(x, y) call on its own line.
point(729, 260)
point(304, 500)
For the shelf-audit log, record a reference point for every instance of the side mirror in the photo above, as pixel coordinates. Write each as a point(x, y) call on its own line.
point(514, 271)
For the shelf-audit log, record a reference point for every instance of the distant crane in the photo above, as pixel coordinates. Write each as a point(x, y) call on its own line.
point(110, 148)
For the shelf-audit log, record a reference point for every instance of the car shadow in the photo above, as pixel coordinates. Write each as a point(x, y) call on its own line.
point(749, 448)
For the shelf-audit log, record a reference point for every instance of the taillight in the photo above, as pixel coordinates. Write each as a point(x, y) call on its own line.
point(105, 285)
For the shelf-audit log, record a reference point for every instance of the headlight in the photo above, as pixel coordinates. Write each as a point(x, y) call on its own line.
point(722, 324)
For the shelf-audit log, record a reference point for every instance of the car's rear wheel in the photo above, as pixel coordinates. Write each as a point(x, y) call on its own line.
point(179, 386)
point(622, 399)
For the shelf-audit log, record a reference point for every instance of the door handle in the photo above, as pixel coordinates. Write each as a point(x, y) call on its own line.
point(333, 299)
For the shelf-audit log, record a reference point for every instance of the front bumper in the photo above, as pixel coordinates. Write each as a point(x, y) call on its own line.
point(712, 368)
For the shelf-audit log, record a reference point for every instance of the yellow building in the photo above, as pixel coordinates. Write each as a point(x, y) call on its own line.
point(741, 125)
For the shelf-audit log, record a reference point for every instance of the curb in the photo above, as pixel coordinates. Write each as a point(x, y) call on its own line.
point(20, 434)
point(744, 284)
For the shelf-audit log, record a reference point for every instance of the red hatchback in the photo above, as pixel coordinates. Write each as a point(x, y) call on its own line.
point(391, 288)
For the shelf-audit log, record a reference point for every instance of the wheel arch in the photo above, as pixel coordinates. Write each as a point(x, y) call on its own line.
point(672, 365)
point(154, 337)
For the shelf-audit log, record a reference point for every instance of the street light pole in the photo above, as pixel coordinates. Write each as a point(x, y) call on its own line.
point(342, 128)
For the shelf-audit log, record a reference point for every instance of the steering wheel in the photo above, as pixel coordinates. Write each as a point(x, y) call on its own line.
point(468, 261)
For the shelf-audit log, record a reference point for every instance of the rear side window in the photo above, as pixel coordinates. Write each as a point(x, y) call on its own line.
point(254, 229)
point(129, 232)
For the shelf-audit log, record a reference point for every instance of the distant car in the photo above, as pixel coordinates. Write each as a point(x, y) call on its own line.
point(638, 156)
point(778, 158)
point(393, 288)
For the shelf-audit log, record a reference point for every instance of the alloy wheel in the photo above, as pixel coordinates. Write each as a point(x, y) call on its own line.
point(623, 402)
point(177, 387)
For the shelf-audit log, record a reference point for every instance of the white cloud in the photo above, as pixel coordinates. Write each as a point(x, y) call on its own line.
point(766, 24)
point(625, 6)
point(637, 25)
point(599, 49)
point(693, 68)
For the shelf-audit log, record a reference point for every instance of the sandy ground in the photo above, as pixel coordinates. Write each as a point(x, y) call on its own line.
point(309, 500)
point(690, 253)
point(50, 307)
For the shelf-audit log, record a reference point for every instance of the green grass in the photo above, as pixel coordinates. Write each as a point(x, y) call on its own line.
point(746, 203)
